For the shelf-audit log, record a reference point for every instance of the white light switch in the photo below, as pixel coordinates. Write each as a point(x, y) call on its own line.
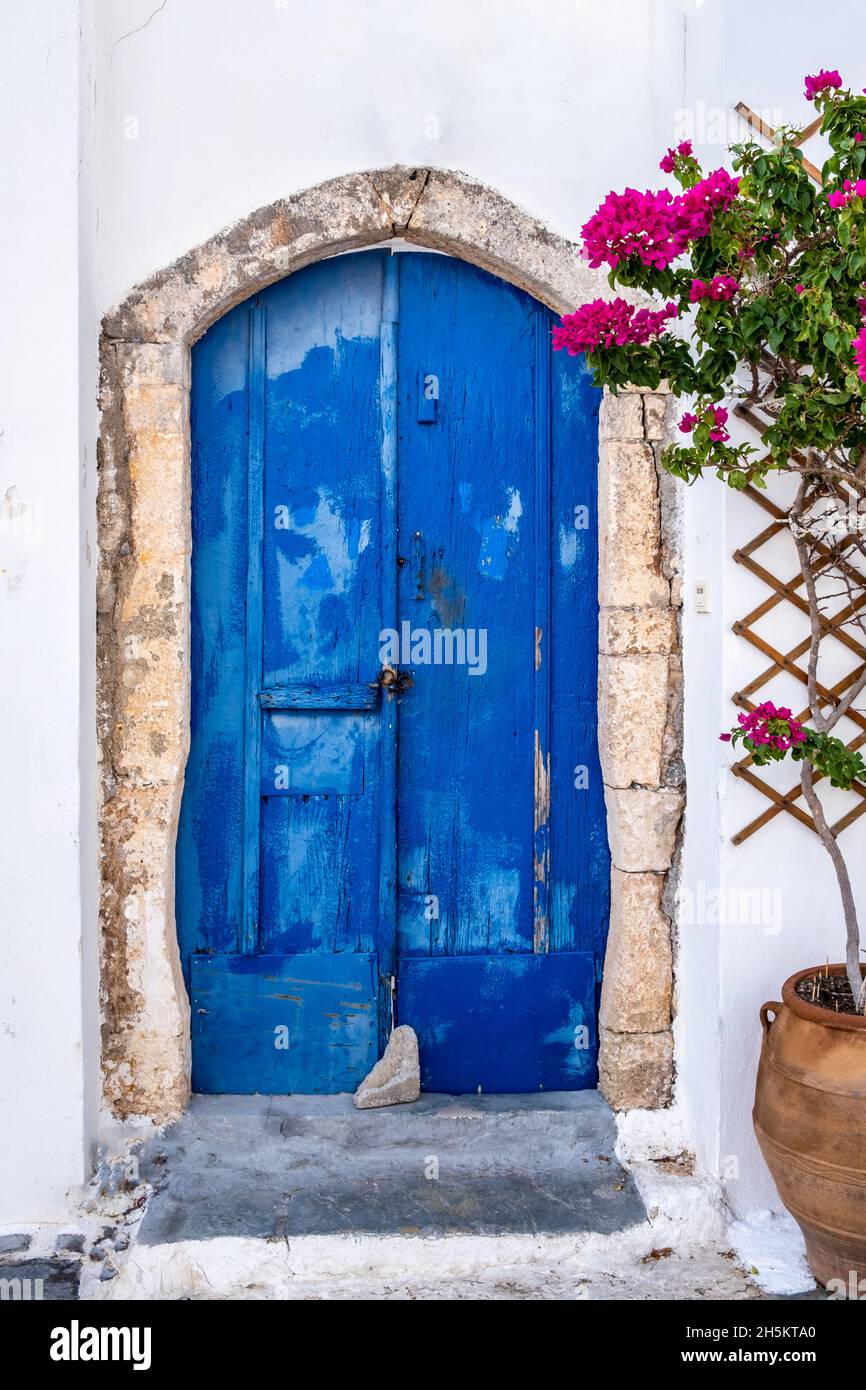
point(702, 596)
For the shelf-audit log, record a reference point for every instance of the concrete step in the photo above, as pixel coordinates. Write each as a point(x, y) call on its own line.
point(490, 1133)
point(254, 1193)
point(313, 1165)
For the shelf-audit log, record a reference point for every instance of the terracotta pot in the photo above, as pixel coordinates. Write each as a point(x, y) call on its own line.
point(810, 1119)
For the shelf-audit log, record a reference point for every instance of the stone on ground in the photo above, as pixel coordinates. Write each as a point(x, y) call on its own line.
point(396, 1077)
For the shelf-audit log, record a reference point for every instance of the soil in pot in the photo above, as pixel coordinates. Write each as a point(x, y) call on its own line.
point(828, 991)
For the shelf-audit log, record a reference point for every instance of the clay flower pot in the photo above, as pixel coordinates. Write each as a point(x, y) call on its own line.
point(810, 1119)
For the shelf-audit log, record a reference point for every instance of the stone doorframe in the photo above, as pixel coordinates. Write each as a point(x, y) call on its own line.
point(143, 616)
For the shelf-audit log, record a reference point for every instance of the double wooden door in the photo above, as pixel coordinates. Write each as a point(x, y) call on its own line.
point(392, 808)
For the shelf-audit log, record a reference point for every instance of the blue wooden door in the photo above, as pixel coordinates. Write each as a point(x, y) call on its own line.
point(392, 809)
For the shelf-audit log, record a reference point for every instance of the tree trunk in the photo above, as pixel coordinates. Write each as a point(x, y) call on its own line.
point(828, 840)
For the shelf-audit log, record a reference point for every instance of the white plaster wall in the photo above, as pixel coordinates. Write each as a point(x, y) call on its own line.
point(189, 115)
point(48, 1018)
point(216, 107)
point(742, 52)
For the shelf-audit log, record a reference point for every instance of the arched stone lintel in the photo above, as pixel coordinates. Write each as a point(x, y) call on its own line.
point(445, 211)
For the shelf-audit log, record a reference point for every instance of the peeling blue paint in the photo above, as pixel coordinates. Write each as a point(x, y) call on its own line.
point(391, 835)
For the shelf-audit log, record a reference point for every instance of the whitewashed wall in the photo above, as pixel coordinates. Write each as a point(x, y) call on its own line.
point(187, 116)
point(757, 54)
point(48, 960)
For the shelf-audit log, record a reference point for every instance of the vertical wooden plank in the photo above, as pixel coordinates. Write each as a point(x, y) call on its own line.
point(253, 655)
point(209, 860)
point(579, 881)
point(387, 943)
point(543, 664)
point(466, 510)
point(321, 619)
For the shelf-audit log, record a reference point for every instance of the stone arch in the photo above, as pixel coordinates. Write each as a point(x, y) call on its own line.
point(143, 615)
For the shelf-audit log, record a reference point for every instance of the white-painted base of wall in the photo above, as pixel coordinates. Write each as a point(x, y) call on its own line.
point(769, 1245)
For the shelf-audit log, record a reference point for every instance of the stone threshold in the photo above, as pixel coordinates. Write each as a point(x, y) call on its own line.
point(264, 1197)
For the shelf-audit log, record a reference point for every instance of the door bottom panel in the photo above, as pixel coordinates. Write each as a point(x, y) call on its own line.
point(275, 1024)
point(509, 1023)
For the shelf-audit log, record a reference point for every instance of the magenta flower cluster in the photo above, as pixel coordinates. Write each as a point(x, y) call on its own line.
point(669, 163)
point(715, 416)
point(820, 82)
point(699, 205)
point(655, 227)
point(838, 199)
point(633, 224)
point(609, 323)
point(859, 346)
point(720, 287)
point(770, 725)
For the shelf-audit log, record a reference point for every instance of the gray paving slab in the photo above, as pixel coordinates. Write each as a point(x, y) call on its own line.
point(39, 1280)
point(274, 1167)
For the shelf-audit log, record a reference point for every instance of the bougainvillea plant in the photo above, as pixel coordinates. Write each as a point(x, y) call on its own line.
point(758, 286)
point(769, 733)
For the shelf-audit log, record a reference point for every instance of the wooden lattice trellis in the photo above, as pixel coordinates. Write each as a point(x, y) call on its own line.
point(788, 591)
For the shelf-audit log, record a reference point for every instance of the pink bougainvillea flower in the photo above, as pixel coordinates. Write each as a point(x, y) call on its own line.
point(715, 416)
point(669, 162)
point(858, 137)
point(609, 323)
point(655, 227)
point(798, 289)
point(720, 287)
point(766, 725)
point(699, 205)
point(718, 433)
point(820, 82)
point(724, 287)
point(859, 346)
point(726, 738)
point(634, 224)
point(837, 199)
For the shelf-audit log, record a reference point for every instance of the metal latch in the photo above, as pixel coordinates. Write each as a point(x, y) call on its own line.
point(393, 680)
